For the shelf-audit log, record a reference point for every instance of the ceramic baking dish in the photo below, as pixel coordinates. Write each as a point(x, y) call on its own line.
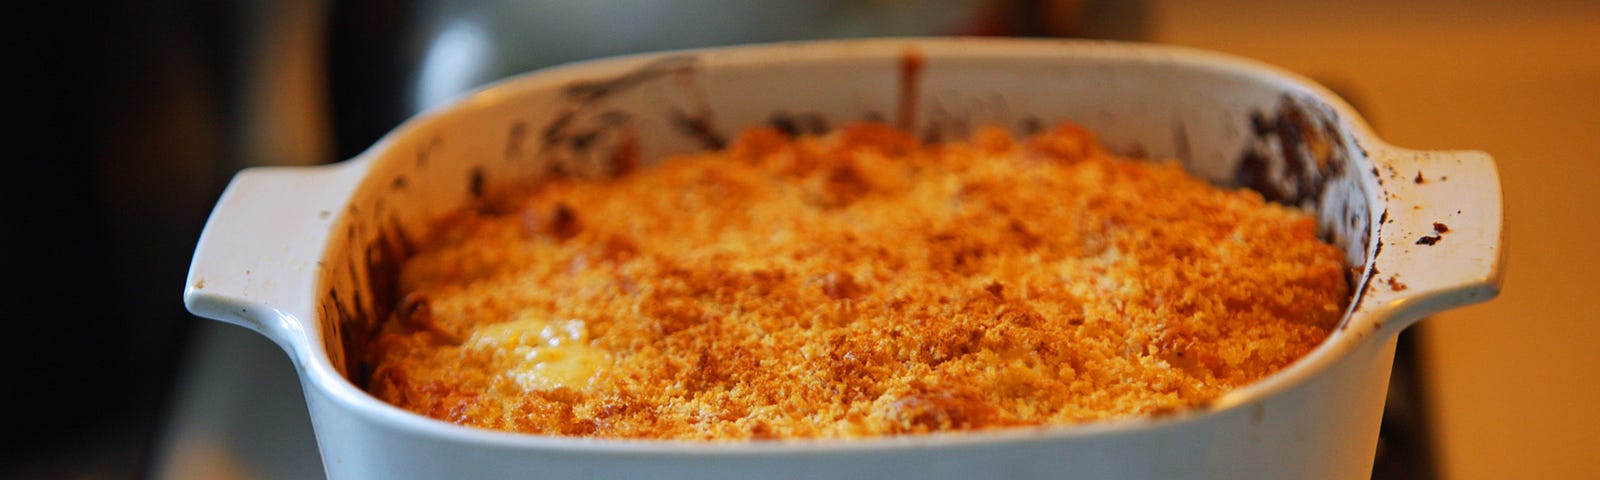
point(306, 256)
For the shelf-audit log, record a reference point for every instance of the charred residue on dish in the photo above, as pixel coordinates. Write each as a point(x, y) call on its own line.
point(1377, 252)
point(1180, 141)
point(804, 123)
point(1395, 284)
point(955, 118)
point(696, 120)
point(355, 346)
point(360, 292)
point(1165, 411)
point(476, 183)
point(1383, 219)
point(1439, 229)
point(382, 259)
point(516, 135)
point(1030, 125)
point(1207, 404)
point(588, 137)
point(912, 63)
point(1295, 153)
point(347, 313)
point(941, 124)
point(697, 125)
point(1363, 283)
point(1298, 155)
point(330, 320)
point(1136, 150)
point(625, 158)
point(593, 90)
point(426, 151)
point(336, 313)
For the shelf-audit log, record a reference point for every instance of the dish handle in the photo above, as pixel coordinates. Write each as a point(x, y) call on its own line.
point(258, 258)
point(1443, 237)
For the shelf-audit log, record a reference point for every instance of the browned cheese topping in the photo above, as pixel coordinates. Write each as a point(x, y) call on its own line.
point(854, 284)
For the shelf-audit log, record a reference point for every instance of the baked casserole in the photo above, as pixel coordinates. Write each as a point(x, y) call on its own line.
point(859, 283)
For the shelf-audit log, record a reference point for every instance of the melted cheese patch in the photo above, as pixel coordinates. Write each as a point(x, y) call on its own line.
point(543, 354)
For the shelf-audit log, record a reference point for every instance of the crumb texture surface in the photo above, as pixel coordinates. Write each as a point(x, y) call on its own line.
point(854, 284)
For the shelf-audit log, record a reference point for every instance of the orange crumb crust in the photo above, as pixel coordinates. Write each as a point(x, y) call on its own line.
point(863, 284)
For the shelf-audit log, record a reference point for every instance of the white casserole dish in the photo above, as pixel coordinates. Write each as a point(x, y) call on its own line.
point(303, 255)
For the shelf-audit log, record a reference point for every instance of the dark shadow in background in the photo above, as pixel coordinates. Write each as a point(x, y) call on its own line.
point(113, 136)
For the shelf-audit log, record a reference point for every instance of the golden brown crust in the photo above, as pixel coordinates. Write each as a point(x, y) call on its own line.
point(860, 284)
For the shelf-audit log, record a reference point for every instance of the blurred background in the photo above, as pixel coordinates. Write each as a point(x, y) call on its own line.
point(126, 119)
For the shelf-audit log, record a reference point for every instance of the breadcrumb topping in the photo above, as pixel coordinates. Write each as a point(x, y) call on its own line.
point(855, 284)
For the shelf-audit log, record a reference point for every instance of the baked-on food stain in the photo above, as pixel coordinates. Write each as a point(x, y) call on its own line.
point(698, 126)
point(911, 66)
point(383, 260)
point(1395, 283)
point(854, 284)
point(1438, 234)
point(797, 124)
point(1307, 153)
point(475, 182)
